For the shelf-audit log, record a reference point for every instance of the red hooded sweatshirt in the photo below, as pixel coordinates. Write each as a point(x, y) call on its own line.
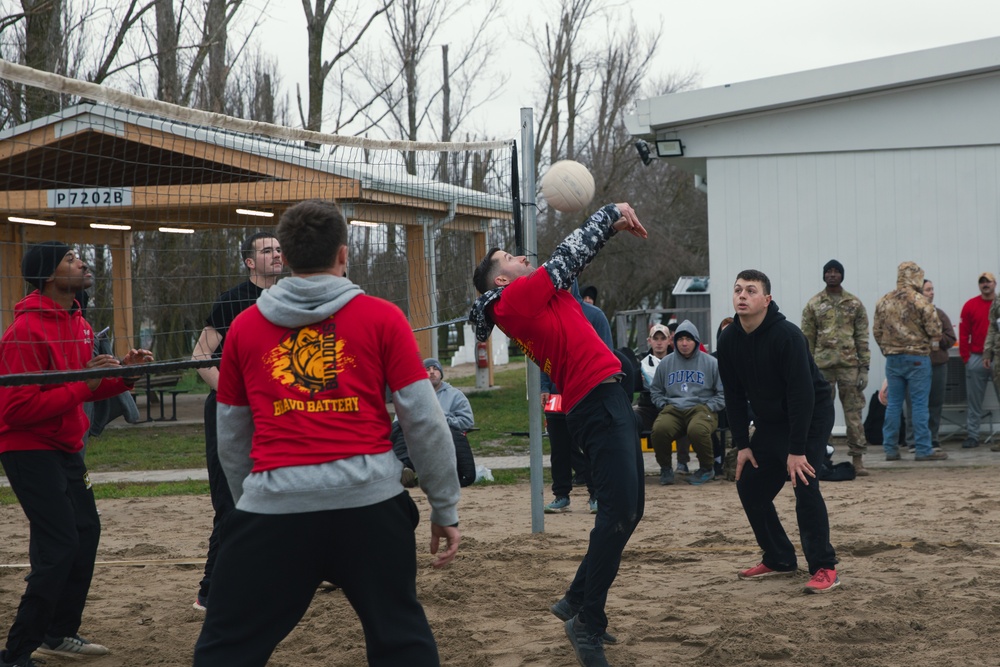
point(47, 337)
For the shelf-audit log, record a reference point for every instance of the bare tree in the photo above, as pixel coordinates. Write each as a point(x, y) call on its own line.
point(348, 36)
point(168, 82)
point(254, 91)
point(556, 47)
point(43, 45)
point(410, 94)
point(587, 92)
point(115, 40)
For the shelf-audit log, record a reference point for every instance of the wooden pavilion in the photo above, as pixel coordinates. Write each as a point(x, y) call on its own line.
point(96, 164)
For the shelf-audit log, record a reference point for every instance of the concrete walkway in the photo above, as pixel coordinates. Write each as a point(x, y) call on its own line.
point(958, 458)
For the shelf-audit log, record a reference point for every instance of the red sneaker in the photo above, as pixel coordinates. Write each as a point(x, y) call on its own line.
point(824, 581)
point(760, 571)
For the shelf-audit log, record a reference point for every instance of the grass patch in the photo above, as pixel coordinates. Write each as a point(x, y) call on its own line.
point(498, 411)
point(516, 476)
point(130, 490)
point(191, 382)
point(147, 448)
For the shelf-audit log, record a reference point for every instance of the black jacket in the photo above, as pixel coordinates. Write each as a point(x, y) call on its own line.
point(772, 369)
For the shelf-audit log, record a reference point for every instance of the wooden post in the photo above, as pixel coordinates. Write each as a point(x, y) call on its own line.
point(419, 312)
point(121, 294)
point(12, 285)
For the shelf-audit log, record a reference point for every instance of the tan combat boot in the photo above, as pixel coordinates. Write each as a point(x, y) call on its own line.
point(859, 468)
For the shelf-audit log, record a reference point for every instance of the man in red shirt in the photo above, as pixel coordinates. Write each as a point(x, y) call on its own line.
point(972, 336)
point(41, 437)
point(535, 308)
point(304, 443)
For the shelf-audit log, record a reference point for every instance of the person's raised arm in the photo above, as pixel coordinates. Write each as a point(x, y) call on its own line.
point(579, 248)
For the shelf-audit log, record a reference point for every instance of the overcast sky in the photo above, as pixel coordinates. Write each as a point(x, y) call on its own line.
point(725, 41)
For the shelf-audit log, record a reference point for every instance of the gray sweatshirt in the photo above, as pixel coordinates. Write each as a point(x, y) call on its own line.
point(687, 382)
point(456, 407)
point(357, 481)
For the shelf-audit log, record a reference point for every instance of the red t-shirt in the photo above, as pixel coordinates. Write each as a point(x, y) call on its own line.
point(317, 393)
point(550, 327)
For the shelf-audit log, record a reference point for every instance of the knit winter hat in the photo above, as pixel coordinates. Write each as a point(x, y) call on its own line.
point(431, 361)
point(41, 260)
point(834, 264)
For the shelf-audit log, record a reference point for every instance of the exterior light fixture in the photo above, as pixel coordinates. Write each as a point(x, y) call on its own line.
point(101, 225)
point(669, 148)
point(259, 214)
point(32, 221)
point(176, 230)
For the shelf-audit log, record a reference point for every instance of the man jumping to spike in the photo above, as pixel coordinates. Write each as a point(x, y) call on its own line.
point(535, 308)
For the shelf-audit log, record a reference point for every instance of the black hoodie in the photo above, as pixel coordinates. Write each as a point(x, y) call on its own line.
point(772, 369)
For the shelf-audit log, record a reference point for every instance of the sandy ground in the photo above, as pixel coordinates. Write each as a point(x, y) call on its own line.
point(918, 550)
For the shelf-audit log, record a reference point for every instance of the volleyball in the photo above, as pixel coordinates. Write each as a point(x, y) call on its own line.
point(568, 186)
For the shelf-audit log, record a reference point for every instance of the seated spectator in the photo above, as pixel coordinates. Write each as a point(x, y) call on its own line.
point(659, 340)
point(458, 414)
point(687, 388)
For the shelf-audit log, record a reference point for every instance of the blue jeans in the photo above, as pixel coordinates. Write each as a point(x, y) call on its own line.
point(907, 373)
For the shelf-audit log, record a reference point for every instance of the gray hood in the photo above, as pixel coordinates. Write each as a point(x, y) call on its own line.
point(690, 329)
point(297, 301)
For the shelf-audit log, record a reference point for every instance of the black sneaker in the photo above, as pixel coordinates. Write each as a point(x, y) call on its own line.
point(970, 443)
point(589, 648)
point(565, 610)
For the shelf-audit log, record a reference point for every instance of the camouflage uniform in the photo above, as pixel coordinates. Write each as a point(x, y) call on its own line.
point(991, 348)
point(905, 321)
point(836, 329)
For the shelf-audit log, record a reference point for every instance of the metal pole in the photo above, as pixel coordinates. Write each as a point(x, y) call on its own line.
point(534, 377)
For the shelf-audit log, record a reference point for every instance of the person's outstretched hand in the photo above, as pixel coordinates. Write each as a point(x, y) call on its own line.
point(629, 222)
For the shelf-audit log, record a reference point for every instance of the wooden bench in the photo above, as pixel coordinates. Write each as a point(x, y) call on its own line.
point(155, 387)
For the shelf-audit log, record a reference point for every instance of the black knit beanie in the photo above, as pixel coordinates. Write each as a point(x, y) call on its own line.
point(834, 264)
point(41, 260)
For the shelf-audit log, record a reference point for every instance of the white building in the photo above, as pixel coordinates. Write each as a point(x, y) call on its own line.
point(871, 163)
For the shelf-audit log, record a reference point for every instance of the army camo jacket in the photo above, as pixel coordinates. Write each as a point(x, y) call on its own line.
point(991, 349)
point(836, 329)
point(905, 321)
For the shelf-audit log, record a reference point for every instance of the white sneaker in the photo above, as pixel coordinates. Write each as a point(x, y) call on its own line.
point(72, 647)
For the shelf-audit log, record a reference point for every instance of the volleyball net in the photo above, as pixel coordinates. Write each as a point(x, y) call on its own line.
point(158, 199)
